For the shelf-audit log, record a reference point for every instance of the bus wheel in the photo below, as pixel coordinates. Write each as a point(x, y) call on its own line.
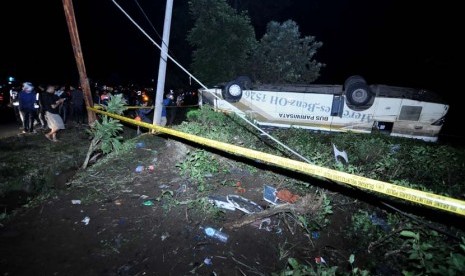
point(232, 92)
point(358, 94)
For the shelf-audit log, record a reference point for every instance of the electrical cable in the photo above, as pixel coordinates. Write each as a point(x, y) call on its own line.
point(204, 87)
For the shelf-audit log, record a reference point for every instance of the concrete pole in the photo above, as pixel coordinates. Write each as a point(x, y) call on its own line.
point(84, 81)
point(162, 64)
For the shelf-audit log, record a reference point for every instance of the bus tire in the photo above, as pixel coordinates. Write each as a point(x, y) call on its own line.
point(353, 79)
point(232, 92)
point(245, 82)
point(358, 94)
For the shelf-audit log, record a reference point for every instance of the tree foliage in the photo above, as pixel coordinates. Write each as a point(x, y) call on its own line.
point(222, 40)
point(282, 56)
point(225, 47)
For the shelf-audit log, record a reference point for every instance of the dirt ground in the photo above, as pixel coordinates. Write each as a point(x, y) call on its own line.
point(151, 221)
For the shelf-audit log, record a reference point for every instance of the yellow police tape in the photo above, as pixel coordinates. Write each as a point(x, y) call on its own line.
point(429, 199)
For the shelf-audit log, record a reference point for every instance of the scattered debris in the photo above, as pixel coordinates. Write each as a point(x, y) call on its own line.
point(148, 203)
point(320, 260)
point(306, 205)
point(342, 154)
point(275, 197)
point(269, 195)
point(239, 188)
point(221, 202)
point(182, 189)
point(286, 196)
point(165, 236)
point(141, 168)
point(86, 220)
point(268, 224)
point(245, 205)
point(265, 222)
point(208, 261)
point(221, 236)
point(380, 222)
point(233, 202)
point(395, 148)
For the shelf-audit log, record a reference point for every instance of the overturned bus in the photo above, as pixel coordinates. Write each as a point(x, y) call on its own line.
point(354, 106)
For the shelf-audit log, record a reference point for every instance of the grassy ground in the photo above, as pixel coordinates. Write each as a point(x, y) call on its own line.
point(147, 207)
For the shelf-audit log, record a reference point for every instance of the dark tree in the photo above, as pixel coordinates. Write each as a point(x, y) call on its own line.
point(282, 56)
point(222, 40)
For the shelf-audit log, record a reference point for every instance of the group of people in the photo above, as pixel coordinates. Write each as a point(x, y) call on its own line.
point(52, 106)
point(168, 112)
point(49, 107)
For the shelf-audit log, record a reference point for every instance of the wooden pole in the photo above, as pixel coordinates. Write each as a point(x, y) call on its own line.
point(73, 32)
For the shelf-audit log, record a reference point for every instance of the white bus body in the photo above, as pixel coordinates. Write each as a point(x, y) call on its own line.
point(397, 111)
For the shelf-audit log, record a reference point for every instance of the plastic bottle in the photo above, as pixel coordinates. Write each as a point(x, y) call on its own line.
point(223, 237)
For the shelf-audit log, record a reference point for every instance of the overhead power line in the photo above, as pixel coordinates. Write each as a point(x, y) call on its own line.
point(205, 87)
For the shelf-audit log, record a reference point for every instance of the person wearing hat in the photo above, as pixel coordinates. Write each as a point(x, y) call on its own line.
point(27, 101)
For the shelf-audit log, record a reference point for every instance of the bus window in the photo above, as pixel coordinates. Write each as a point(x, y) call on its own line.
point(410, 113)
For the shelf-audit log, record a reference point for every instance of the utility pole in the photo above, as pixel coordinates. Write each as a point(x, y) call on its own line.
point(162, 64)
point(73, 31)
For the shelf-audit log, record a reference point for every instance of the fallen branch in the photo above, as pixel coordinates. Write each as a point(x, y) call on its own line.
point(379, 242)
point(306, 205)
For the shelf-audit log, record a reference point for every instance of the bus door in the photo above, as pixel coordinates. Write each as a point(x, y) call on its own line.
point(337, 108)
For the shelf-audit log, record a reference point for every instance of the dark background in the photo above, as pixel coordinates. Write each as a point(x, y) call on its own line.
point(403, 43)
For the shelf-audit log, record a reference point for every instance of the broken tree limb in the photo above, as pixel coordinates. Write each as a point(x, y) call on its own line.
point(306, 205)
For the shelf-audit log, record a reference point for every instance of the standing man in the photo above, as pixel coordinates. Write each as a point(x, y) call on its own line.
point(77, 102)
point(63, 93)
point(27, 101)
point(172, 109)
point(166, 102)
point(40, 107)
point(14, 100)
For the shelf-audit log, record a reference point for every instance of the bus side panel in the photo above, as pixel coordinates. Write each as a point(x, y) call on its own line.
point(386, 114)
point(289, 108)
point(416, 120)
point(386, 109)
point(354, 120)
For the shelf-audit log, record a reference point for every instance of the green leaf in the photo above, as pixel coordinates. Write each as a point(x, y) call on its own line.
point(351, 258)
point(293, 263)
point(409, 234)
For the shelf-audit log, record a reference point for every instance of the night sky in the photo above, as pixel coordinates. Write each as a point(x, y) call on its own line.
point(404, 43)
